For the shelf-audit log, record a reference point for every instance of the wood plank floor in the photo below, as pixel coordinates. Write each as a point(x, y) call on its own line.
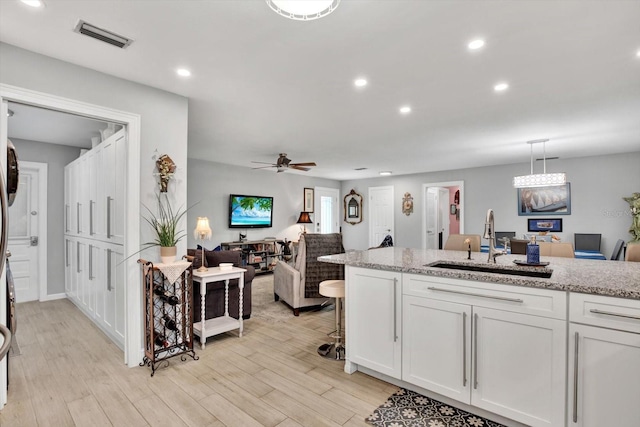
point(70, 374)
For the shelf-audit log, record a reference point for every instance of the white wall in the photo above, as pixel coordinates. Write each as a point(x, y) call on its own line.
point(163, 115)
point(211, 183)
point(597, 187)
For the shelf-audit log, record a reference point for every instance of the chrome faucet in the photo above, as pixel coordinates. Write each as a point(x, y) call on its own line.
point(490, 233)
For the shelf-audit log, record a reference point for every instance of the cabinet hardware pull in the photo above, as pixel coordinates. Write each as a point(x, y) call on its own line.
point(78, 217)
point(475, 351)
point(66, 252)
point(90, 262)
point(91, 202)
point(395, 323)
point(609, 313)
point(78, 257)
point(464, 349)
point(575, 379)
point(108, 217)
point(66, 218)
point(431, 288)
point(109, 270)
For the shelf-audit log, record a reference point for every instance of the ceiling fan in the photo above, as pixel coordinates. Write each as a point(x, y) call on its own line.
point(283, 163)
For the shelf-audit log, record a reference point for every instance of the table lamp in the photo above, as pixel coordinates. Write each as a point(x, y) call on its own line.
point(304, 219)
point(202, 232)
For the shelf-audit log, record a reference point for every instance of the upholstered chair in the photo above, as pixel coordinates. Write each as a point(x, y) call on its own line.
point(564, 250)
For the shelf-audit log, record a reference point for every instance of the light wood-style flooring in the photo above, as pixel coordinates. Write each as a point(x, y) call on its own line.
point(70, 374)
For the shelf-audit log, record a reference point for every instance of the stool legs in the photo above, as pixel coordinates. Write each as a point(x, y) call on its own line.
point(335, 350)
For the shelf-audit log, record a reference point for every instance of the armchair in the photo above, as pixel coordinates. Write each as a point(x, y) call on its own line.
point(298, 285)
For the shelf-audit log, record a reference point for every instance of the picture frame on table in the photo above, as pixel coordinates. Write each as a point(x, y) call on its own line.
point(543, 201)
point(308, 200)
point(544, 224)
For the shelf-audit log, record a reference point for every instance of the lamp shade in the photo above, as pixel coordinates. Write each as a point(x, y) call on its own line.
point(202, 231)
point(304, 218)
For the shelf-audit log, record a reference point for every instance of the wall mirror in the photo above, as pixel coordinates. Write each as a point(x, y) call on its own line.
point(353, 207)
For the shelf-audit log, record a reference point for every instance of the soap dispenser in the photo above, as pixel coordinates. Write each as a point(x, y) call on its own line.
point(533, 252)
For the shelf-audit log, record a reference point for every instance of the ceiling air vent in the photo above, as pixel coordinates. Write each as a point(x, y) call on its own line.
point(103, 35)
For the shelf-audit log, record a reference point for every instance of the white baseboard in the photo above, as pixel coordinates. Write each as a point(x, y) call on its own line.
point(53, 297)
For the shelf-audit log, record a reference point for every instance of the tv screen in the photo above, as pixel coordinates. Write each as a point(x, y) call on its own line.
point(250, 211)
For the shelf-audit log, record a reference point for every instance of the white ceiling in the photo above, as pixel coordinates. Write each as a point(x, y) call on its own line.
point(263, 84)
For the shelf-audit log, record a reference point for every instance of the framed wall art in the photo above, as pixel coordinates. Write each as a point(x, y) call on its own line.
point(308, 200)
point(547, 224)
point(554, 200)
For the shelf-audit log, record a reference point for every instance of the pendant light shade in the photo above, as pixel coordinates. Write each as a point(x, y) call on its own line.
point(303, 10)
point(541, 179)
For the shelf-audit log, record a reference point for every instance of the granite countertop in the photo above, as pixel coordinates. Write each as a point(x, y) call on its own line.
point(611, 278)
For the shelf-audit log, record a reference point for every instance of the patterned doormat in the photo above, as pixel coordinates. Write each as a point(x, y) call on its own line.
point(410, 409)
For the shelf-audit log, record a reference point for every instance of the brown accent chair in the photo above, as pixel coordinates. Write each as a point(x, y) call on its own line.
point(633, 252)
point(455, 242)
point(214, 300)
point(564, 250)
point(298, 285)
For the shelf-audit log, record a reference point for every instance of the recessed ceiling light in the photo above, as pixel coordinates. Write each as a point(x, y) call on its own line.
point(475, 44)
point(405, 109)
point(183, 72)
point(360, 82)
point(33, 3)
point(385, 173)
point(638, 53)
point(500, 87)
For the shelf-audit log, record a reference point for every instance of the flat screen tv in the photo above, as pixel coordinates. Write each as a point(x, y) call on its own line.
point(250, 211)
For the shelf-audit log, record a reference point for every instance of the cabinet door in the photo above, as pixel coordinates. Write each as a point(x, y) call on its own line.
point(373, 322)
point(113, 161)
point(436, 346)
point(72, 206)
point(82, 202)
point(519, 366)
point(119, 194)
point(81, 273)
point(113, 293)
point(67, 199)
point(68, 265)
point(604, 377)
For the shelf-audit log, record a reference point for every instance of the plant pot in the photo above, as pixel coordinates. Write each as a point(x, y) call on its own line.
point(168, 254)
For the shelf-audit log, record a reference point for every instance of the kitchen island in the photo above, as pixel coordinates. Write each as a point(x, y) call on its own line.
point(556, 351)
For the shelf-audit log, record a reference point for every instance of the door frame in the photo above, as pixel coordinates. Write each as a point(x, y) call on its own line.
point(317, 215)
point(133, 346)
point(43, 183)
point(424, 205)
point(393, 217)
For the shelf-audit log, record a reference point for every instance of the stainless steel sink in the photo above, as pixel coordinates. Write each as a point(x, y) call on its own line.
point(497, 269)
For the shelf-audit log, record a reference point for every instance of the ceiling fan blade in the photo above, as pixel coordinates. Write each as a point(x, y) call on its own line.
point(303, 164)
point(263, 167)
point(300, 168)
point(264, 163)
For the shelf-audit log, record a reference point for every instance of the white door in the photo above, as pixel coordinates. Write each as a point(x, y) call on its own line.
point(326, 215)
point(431, 198)
point(604, 369)
point(443, 216)
point(25, 231)
point(381, 217)
point(435, 218)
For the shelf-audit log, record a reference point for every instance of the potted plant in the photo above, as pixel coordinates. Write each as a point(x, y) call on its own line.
point(165, 226)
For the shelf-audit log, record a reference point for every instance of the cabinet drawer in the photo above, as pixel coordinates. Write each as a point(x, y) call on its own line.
point(519, 299)
point(608, 312)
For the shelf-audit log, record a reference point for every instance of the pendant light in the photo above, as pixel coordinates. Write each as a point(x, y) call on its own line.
point(543, 179)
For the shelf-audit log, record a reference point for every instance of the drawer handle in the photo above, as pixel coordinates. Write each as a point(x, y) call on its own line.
point(395, 322)
point(476, 295)
point(464, 348)
point(575, 378)
point(609, 313)
point(475, 351)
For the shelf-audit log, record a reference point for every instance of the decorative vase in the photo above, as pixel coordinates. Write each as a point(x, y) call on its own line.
point(168, 254)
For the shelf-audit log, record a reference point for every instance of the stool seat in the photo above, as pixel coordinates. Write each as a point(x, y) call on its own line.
point(332, 288)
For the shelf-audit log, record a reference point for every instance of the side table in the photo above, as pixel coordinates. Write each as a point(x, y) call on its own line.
point(217, 325)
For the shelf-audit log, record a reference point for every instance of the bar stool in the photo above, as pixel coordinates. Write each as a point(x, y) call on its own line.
point(334, 350)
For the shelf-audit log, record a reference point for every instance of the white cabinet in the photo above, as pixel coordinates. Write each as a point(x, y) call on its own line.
point(111, 292)
point(112, 169)
point(604, 364)
point(373, 320)
point(476, 343)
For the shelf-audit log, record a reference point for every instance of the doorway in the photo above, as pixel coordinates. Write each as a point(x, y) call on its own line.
point(381, 216)
point(443, 212)
point(326, 215)
point(28, 233)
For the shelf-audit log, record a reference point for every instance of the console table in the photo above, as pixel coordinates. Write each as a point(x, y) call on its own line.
point(217, 325)
point(259, 253)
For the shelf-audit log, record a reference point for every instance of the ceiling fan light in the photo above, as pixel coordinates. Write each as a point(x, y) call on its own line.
point(306, 10)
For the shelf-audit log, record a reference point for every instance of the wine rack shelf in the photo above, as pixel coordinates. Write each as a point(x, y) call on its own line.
point(168, 316)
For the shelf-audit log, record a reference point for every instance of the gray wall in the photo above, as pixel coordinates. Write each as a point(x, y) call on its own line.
point(56, 157)
point(211, 183)
point(163, 116)
point(597, 187)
